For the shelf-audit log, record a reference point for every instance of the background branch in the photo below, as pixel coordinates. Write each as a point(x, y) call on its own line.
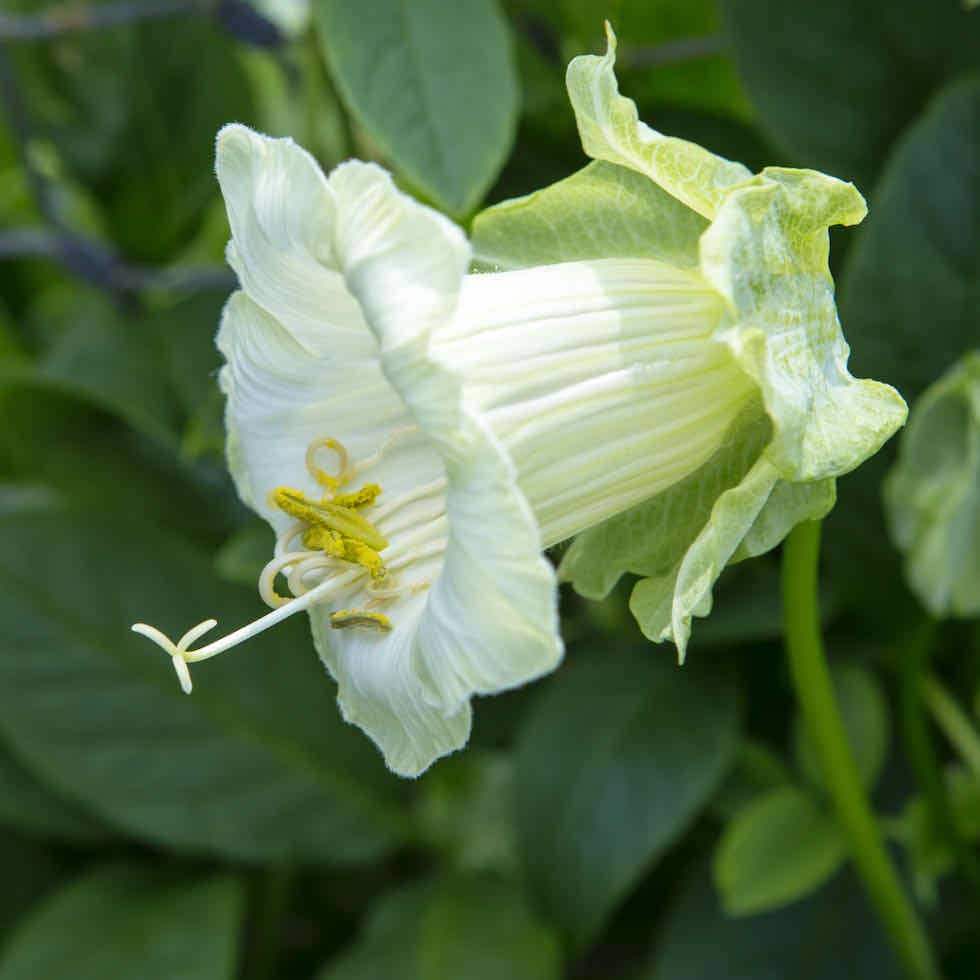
point(95, 263)
point(73, 18)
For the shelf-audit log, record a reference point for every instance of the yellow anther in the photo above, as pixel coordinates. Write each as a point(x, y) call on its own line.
point(368, 557)
point(321, 476)
point(339, 546)
point(336, 517)
point(323, 539)
point(360, 619)
point(360, 498)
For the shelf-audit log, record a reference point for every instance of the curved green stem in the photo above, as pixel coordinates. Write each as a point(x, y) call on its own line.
point(954, 722)
point(815, 693)
point(913, 688)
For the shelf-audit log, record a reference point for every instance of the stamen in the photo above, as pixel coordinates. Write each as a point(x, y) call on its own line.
point(393, 437)
point(332, 483)
point(385, 511)
point(397, 592)
point(296, 577)
point(275, 565)
point(359, 498)
point(287, 537)
point(361, 619)
point(435, 550)
point(324, 513)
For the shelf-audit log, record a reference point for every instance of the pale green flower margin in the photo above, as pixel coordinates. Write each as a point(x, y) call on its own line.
point(762, 242)
point(932, 493)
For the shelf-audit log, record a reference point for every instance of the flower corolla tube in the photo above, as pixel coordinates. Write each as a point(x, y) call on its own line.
point(654, 355)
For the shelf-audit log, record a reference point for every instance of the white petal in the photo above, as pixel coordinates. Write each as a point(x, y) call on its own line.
point(281, 398)
point(282, 217)
point(404, 262)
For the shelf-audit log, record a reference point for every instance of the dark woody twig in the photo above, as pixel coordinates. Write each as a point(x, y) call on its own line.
point(73, 18)
point(672, 52)
point(98, 265)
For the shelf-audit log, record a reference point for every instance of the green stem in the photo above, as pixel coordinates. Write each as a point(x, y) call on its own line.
point(914, 683)
point(815, 693)
point(954, 722)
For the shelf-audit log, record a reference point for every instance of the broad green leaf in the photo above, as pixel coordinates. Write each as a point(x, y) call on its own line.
point(777, 849)
point(110, 360)
point(255, 765)
point(910, 291)
point(932, 494)
point(37, 810)
point(617, 759)
point(864, 712)
point(184, 83)
point(828, 936)
point(835, 82)
point(909, 301)
point(51, 438)
point(477, 927)
point(128, 921)
point(432, 83)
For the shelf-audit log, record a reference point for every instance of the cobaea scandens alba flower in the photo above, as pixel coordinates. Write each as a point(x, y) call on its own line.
point(758, 244)
point(416, 435)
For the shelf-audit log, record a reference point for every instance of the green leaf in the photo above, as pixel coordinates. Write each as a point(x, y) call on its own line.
point(616, 761)
point(910, 289)
point(756, 770)
point(133, 114)
point(864, 711)
point(49, 438)
point(36, 809)
point(480, 928)
point(29, 870)
point(433, 83)
point(243, 556)
point(707, 81)
point(130, 922)
point(777, 849)
point(932, 494)
point(465, 810)
point(930, 852)
point(185, 82)
point(836, 82)
point(256, 764)
point(98, 354)
point(828, 936)
point(908, 300)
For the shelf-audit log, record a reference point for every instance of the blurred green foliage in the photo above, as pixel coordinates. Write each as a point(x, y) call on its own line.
point(247, 831)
